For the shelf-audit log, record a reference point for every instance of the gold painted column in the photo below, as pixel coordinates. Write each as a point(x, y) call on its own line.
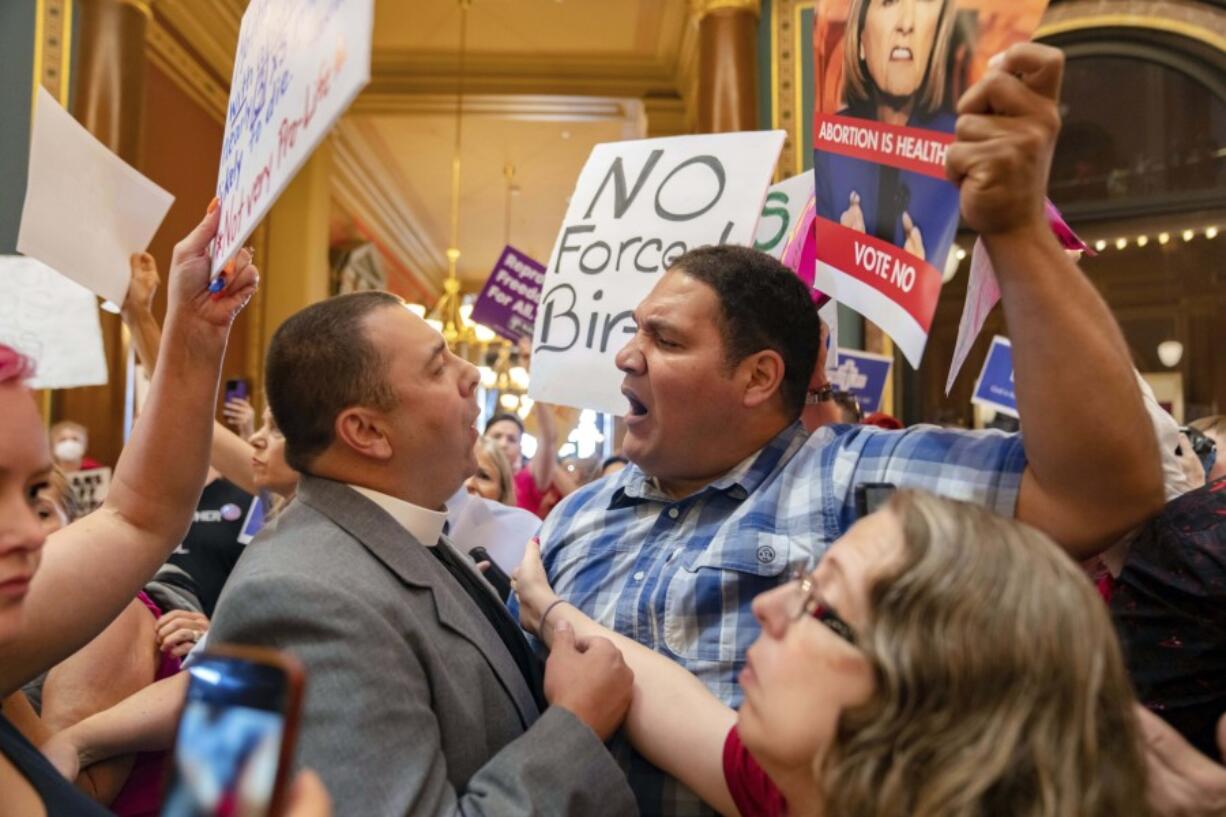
point(110, 87)
point(727, 64)
point(109, 100)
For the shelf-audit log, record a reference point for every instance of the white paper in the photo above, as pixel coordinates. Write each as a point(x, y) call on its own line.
point(502, 530)
point(784, 204)
point(86, 210)
point(636, 207)
point(53, 321)
point(982, 293)
point(297, 67)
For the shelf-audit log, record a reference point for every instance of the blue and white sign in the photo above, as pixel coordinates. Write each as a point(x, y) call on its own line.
point(864, 374)
point(994, 388)
point(253, 523)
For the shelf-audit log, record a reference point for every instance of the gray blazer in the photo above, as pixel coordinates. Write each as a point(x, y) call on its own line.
point(413, 705)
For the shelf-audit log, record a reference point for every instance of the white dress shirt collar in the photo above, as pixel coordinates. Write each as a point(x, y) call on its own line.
point(425, 525)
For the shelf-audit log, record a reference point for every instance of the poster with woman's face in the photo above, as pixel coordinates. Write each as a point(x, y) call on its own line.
point(888, 76)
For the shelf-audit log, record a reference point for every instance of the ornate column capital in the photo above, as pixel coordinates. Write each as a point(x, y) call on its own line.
point(701, 8)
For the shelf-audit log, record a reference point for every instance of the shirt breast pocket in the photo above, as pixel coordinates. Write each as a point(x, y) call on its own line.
point(707, 606)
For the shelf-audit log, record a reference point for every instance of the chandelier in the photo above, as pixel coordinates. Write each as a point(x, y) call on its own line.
point(450, 315)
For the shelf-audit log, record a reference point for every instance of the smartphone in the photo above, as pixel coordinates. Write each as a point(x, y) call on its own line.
point(872, 495)
point(237, 389)
point(235, 742)
point(494, 574)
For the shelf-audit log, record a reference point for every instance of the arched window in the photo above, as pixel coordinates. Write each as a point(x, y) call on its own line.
point(1144, 126)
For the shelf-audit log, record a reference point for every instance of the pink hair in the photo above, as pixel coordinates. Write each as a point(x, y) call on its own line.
point(14, 366)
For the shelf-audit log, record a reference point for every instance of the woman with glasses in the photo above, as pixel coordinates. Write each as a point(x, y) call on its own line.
point(940, 660)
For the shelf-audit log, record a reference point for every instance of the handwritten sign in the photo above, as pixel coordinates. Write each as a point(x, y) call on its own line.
point(636, 208)
point(86, 210)
point(864, 375)
point(886, 215)
point(53, 321)
point(995, 385)
point(507, 303)
point(298, 65)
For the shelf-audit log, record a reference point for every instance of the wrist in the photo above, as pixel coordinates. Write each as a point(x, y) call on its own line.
point(135, 313)
point(1035, 231)
point(188, 331)
point(543, 629)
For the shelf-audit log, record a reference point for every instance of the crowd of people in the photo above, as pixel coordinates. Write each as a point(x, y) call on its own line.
point(1030, 624)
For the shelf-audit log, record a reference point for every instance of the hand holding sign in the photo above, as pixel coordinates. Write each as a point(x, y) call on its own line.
point(1007, 128)
point(189, 295)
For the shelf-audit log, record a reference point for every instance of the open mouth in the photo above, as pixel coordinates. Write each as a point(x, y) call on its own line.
point(901, 54)
point(637, 409)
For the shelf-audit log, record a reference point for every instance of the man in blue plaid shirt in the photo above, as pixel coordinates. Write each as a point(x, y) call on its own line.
point(727, 493)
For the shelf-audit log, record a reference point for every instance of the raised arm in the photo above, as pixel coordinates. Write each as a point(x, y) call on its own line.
point(674, 721)
point(230, 454)
point(1091, 475)
point(545, 463)
point(103, 559)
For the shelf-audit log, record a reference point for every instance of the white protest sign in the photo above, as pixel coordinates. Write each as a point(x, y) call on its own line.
point(298, 65)
point(53, 321)
point(784, 203)
point(86, 210)
point(636, 207)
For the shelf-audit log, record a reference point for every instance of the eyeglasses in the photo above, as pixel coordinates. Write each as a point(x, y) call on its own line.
point(809, 604)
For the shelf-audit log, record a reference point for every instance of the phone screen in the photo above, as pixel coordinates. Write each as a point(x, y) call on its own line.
point(228, 749)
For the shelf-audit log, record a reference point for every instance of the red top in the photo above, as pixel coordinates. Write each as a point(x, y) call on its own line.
point(530, 498)
point(754, 793)
point(141, 795)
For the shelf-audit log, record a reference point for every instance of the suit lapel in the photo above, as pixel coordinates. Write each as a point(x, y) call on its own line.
point(407, 558)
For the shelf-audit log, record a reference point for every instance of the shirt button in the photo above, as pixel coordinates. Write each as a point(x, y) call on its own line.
point(638, 577)
point(673, 513)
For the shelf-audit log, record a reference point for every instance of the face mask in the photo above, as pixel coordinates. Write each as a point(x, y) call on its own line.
point(69, 450)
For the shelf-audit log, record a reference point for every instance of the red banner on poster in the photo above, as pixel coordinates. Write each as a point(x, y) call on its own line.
point(906, 280)
point(914, 149)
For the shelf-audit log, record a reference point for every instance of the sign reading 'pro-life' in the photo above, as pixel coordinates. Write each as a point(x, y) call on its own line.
point(298, 65)
point(636, 208)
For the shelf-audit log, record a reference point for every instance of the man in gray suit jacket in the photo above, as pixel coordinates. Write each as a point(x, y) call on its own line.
point(422, 697)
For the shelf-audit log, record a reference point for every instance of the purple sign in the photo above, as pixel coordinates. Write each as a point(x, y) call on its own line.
point(507, 303)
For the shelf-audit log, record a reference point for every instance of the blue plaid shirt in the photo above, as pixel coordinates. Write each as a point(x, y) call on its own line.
point(679, 576)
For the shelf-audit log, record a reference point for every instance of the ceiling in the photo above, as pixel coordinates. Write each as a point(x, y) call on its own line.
point(544, 81)
point(545, 155)
point(615, 28)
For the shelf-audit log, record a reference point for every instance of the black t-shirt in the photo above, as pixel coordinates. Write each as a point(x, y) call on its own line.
point(211, 548)
point(1169, 607)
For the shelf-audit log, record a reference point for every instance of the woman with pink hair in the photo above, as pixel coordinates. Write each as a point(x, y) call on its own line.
point(58, 591)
